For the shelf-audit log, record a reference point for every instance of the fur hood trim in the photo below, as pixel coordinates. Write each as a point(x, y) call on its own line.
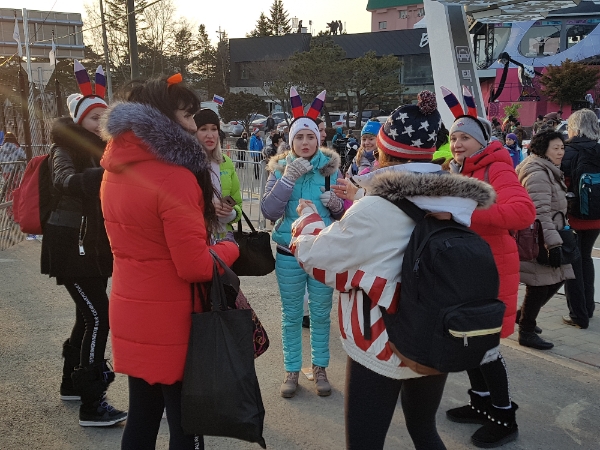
point(397, 185)
point(277, 162)
point(68, 135)
point(168, 141)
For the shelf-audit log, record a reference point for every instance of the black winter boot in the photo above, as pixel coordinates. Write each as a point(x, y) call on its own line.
point(500, 428)
point(537, 329)
point(531, 339)
point(72, 356)
point(475, 412)
point(92, 382)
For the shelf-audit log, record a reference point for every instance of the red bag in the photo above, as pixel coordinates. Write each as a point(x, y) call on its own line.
point(529, 241)
point(32, 200)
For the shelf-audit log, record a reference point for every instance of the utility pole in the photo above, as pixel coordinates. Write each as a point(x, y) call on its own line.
point(131, 32)
point(106, 56)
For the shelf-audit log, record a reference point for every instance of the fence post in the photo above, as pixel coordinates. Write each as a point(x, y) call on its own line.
point(58, 98)
point(262, 181)
point(25, 113)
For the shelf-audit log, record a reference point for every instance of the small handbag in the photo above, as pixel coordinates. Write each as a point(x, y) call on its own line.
point(569, 249)
point(260, 338)
point(256, 257)
point(529, 241)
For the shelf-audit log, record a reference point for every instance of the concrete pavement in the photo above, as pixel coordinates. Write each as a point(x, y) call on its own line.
point(558, 395)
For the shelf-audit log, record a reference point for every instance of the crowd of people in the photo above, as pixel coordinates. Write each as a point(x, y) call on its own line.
point(143, 194)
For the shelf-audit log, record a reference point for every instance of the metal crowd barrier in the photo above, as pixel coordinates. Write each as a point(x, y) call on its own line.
point(252, 174)
point(11, 176)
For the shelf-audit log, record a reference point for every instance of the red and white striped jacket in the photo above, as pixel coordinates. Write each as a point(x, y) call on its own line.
point(363, 252)
point(359, 253)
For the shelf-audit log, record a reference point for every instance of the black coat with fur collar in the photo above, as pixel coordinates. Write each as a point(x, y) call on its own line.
point(76, 178)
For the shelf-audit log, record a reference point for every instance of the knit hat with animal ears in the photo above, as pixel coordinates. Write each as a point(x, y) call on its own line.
point(302, 121)
point(81, 104)
point(477, 127)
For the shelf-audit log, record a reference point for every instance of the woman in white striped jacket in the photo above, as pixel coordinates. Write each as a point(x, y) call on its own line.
point(363, 253)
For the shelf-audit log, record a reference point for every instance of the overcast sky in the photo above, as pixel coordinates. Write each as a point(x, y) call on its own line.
point(238, 17)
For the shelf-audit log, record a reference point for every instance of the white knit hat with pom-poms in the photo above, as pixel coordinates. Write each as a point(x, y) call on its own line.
point(79, 106)
point(411, 130)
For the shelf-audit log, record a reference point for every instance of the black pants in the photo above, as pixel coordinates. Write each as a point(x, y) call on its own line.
point(257, 159)
point(492, 377)
point(580, 291)
point(241, 154)
point(90, 331)
point(146, 405)
point(370, 401)
point(535, 298)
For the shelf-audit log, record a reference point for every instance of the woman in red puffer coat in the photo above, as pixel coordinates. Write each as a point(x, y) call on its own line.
point(157, 202)
point(474, 156)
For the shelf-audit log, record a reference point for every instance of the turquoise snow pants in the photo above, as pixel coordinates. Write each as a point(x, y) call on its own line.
point(292, 280)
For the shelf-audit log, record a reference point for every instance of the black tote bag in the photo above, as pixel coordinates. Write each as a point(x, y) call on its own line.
point(220, 394)
point(256, 257)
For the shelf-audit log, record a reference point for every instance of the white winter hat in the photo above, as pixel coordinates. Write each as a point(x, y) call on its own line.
point(79, 106)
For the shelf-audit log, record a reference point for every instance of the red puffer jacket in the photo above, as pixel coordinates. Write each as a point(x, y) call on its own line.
point(153, 211)
point(513, 210)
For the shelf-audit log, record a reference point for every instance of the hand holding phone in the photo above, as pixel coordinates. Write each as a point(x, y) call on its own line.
point(229, 200)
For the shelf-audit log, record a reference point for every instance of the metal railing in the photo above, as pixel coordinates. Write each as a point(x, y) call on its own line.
point(253, 179)
point(11, 176)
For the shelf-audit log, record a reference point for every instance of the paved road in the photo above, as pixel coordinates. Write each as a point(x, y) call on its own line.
point(558, 397)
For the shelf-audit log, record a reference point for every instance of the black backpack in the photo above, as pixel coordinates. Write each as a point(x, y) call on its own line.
point(448, 315)
point(585, 183)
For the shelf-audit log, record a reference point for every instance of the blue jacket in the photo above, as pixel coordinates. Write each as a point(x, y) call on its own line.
point(281, 198)
point(256, 145)
point(515, 153)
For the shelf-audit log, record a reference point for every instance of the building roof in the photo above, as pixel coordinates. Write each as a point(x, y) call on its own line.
point(270, 48)
point(396, 42)
point(582, 8)
point(277, 48)
point(381, 4)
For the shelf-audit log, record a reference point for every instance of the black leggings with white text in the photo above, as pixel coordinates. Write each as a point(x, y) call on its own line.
point(90, 331)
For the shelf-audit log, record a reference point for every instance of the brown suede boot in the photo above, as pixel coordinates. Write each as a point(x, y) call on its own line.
point(321, 381)
point(289, 385)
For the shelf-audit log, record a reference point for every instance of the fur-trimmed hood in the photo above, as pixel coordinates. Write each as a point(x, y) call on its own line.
point(328, 166)
point(162, 137)
point(68, 135)
point(432, 190)
point(397, 185)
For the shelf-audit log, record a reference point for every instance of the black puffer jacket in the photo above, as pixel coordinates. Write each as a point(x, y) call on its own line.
point(77, 217)
point(572, 149)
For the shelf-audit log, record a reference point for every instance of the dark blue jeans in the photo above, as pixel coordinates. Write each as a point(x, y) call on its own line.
point(146, 405)
point(580, 291)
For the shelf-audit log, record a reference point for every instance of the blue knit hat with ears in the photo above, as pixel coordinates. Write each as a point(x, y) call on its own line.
point(371, 127)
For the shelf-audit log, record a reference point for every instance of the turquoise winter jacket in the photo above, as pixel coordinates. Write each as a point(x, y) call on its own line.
point(281, 200)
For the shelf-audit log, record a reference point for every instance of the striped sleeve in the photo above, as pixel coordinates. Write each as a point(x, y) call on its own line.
point(341, 255)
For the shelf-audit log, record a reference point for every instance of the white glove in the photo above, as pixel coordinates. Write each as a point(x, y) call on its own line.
point(296, 168)
point(331, 201)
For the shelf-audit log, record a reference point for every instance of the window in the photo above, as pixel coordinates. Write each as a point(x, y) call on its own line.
point(244, 72)
point(383, 25)
point(576, 33)
point(420, 12)
point(403, 14)
point(541, 40)
point(416, 70)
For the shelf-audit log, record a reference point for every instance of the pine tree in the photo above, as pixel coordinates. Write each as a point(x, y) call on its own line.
point(279, 22)
point(263, 28)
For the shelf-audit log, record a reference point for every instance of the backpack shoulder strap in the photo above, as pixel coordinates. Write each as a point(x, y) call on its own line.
point(410, 209)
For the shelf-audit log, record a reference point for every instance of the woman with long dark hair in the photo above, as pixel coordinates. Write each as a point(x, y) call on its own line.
point(157, 199)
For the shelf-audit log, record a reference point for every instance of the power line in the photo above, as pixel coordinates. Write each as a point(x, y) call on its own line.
point(105, 23)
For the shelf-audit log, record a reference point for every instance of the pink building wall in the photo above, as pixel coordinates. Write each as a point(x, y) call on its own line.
point(392, 17)
point(510, 94)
